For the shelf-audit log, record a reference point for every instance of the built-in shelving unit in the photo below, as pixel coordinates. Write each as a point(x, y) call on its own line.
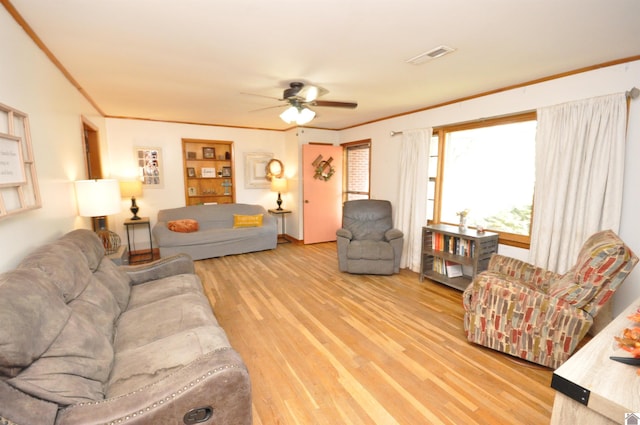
point(453, 256)
point(208, 172)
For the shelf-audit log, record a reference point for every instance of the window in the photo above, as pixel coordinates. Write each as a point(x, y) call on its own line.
point(357, 170)
point(488, 169)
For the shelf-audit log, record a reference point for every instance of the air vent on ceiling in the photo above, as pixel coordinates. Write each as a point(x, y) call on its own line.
point(431, 54)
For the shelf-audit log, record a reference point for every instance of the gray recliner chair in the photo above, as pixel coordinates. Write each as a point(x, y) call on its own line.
point(367, 241)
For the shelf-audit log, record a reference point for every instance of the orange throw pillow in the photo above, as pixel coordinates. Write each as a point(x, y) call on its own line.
point(186, 225)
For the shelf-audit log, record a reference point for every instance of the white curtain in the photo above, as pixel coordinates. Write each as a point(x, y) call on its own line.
point(580, 149)
point(411, 211)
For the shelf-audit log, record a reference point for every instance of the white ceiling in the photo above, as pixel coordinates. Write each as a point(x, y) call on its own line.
point(192, 60)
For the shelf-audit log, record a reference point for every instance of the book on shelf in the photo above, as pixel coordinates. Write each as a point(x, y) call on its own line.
point(447, 268)
point(453, 245)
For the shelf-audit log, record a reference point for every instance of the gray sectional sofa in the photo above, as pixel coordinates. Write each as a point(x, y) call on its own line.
point(216, 236)
point(83, 341)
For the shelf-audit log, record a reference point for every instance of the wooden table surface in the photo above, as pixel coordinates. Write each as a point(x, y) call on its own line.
point(607, 387)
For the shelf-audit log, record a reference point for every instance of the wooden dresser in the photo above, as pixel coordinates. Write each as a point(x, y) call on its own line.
point(593, 389)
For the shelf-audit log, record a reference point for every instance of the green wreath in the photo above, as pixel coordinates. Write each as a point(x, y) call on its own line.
point(322, 173)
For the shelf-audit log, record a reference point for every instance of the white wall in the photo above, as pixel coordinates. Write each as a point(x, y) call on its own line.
point(30, 83)
point(125, 135)
point(614, 79)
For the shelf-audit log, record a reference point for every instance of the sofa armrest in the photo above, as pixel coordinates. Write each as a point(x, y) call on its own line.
point(532, 276)
point(164, 267)
point(19, 408)
point(217, 380)
point(344, 233)
point(392, 234)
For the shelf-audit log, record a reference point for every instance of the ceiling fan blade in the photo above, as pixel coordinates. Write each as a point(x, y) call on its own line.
point(334, 104)
point(311, 92)
point(260, 95)
point(268, 107)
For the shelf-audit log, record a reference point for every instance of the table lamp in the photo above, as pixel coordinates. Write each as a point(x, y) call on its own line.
point(131, 189)
point(279, 185)
point(99, 198)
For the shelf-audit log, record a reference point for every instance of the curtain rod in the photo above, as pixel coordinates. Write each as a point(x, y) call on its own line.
point(633, 93)
point(395, 133)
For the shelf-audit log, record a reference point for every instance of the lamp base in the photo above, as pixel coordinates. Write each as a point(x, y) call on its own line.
point(134, 209)
point(279, 202)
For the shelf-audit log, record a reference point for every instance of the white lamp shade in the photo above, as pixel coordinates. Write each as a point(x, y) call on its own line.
point(97, 198)
point(305, 116)
point(289, 115)
point(278, 185)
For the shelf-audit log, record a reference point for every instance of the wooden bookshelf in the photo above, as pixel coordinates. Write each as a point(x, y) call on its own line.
point(209, 175)
point(452, 256)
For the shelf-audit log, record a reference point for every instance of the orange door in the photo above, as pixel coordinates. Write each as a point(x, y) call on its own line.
point(322, 192)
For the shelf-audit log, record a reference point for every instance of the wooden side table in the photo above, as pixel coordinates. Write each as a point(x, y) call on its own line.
point(144, 221)
point(282, 214)
point(592, 388)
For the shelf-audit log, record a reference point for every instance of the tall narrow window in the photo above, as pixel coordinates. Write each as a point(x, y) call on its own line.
point(357, 170)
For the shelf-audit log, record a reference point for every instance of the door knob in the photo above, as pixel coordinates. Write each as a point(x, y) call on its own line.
point(306, 201)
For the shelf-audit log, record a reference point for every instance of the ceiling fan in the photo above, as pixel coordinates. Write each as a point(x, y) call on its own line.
point(300, 96)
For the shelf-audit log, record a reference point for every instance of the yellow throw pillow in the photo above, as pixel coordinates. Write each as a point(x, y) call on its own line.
point(247, 220)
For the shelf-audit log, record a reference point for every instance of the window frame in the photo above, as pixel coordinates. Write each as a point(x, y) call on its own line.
point(505, 238)
point(359, 144)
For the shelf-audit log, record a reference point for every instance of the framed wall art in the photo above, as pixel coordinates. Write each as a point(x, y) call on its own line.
point(149, 162)
point(19, 190)
point(255, 166)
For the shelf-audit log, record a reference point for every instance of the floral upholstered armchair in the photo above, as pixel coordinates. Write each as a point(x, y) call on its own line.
point(539, 315)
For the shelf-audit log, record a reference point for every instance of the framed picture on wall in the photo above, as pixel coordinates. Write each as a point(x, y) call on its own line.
point(209, 172)
point(150, 166)
point(255, 174)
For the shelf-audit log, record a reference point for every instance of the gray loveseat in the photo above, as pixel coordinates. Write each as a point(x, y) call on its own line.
point(216, 236)
point(83, 341)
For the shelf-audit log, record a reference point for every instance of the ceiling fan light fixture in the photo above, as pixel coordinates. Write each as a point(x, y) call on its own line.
point(300, 116)
point(305, 116)
point(289, 115)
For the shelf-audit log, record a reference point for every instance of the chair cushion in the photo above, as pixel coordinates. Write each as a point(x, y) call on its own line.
point(603, 255)
point(369, 250)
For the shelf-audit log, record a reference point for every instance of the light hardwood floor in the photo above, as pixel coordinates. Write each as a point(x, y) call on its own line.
point(324, 347)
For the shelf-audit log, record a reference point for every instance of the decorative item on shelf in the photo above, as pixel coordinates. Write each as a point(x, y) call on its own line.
point(191, 172)
point(208, 172)
point(208, 153)
point(323, 169)
point(226, 185)
point(463, 219)
point(279, 185)
point(99, 198)
point(226, 171)
point(132, 189)
point(191, 155)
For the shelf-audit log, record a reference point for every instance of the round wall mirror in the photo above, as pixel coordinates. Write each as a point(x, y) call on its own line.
point(275, 169)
